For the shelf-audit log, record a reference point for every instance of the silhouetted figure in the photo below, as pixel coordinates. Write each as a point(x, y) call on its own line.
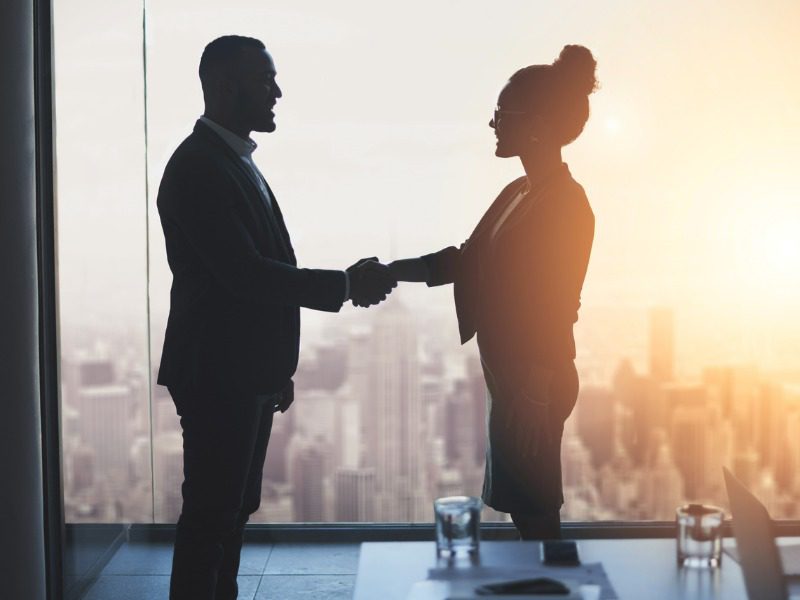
point(231, 345)
point(517, 283)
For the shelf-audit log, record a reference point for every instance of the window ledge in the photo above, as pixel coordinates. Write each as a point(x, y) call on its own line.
point(385, 532)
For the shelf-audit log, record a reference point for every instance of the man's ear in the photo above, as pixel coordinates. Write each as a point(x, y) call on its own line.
point(228, 86)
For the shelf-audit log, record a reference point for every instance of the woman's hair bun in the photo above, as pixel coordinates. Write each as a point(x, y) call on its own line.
point(576, 68)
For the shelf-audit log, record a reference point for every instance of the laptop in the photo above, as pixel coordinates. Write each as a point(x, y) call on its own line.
point(765, 565)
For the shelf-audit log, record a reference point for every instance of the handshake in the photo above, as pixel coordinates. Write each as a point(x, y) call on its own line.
point(370, 282)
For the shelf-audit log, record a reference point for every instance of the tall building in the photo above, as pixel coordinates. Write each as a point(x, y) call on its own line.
point(168, 476)
point(308, 470)
point(277, 462)
point(662, 344)
point(104, 426)
point(746, 467)
point(476, 396)
point(662, 483)
point(576, 463)
point(790, 471)
point(392, 415)
point(354, 491)
point(359, 389)
point(315, 414)
point(347, 432)
point(87, 369)
point(595, 414)
point(694, 432)
point(458, 420)
point(641, 407)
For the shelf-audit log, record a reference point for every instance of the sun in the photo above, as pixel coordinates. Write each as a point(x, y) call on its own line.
point(612, 125)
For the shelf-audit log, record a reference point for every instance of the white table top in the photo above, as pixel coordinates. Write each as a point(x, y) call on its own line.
point(637, 568)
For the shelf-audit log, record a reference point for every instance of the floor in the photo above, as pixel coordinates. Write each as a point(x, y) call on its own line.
point(140, 571)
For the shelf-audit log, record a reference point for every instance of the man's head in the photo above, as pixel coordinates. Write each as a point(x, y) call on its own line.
point(239, 87)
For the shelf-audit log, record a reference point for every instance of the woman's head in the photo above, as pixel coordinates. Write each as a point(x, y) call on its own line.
point(545, 104)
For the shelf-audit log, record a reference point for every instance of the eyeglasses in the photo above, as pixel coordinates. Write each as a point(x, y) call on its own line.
point(498, 112)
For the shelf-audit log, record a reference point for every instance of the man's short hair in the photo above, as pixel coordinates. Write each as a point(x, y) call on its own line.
point(223, 52)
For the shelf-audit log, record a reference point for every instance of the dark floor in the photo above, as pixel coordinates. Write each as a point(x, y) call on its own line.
point(140, 571)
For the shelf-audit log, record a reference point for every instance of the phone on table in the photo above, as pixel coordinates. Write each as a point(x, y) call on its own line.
point(560, 553)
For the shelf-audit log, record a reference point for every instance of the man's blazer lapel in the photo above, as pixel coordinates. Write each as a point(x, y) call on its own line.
point(268, 225)
point(283, 230)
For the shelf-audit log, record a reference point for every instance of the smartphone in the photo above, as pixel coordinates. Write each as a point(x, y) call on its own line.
point(562, 553)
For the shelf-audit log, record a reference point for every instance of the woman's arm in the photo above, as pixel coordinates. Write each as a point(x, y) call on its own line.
point(409, 269)
point(434, 269)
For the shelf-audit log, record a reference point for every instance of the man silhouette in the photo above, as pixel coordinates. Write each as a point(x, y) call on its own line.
point(232, 338)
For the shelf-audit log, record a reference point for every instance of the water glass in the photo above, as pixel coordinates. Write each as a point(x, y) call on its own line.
point(458, 521)
point(699, 535)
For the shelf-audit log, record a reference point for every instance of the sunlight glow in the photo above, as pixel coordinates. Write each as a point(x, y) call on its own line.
point(781, 251)
point(769, 255)
point(612, 125)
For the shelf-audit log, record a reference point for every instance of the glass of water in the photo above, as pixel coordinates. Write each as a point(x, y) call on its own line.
point(699, 535)
point(458, 522)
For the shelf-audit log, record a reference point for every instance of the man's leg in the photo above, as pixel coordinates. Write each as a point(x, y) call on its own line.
point(227, 587)
point(219, 441)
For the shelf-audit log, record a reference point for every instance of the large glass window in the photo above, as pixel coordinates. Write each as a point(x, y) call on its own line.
point(688, 333)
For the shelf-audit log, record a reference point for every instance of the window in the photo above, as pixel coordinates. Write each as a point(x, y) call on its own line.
point(688, 333)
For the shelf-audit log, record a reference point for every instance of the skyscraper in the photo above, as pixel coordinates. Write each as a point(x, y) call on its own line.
point(354, 491)
point(168, 476)
point(662, 484)
point(104, 426)
point(662, 344)
point(308, 469)
point(694, 428)
point(595, 414)
point(393, 417)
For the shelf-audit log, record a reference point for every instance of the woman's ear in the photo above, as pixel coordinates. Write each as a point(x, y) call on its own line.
point(537, 129)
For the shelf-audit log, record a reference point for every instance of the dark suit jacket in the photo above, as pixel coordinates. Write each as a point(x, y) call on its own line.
point(234, 319)
point(520, 292)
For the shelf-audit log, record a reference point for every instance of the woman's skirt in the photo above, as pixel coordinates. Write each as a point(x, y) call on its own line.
point(523, 453)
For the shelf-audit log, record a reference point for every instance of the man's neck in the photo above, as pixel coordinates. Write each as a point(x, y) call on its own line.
point(228, 123)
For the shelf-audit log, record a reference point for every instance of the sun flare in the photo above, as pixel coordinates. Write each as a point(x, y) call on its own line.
point(772, 255)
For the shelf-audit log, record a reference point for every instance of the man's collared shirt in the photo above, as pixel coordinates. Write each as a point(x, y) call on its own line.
point(244, 150)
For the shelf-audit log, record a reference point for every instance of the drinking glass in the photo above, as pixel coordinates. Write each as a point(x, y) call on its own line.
point(458, 520)
point(699, 535)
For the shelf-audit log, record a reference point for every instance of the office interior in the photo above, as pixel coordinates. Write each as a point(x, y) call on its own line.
point(56, 543)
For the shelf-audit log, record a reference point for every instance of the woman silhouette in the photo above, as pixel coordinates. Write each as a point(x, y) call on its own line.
point(517, 283)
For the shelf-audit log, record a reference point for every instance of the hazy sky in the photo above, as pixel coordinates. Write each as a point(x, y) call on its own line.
point(382, 147)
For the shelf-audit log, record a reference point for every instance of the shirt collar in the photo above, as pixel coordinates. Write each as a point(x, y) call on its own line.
point(243, 148)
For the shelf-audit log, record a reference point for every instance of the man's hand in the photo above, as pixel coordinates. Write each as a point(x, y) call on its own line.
point(285, 398)
point(370, 282)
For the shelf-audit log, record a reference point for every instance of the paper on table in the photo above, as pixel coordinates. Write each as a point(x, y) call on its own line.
point(586, 582)
point(464, 589)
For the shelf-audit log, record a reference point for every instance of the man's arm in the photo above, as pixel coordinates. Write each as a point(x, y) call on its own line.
point(201, 210)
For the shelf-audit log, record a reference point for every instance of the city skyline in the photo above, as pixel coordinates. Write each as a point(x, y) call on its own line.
point(382, 148)
point(387, 418)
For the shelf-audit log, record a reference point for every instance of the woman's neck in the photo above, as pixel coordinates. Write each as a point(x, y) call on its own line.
point(539, 163)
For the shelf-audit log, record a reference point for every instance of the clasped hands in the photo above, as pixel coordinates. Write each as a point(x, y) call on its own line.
point(370, 282)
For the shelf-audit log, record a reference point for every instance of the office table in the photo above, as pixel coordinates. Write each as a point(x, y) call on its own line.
point(638, 568)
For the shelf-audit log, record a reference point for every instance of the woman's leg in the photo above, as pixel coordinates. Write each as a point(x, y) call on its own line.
point(546, 526)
